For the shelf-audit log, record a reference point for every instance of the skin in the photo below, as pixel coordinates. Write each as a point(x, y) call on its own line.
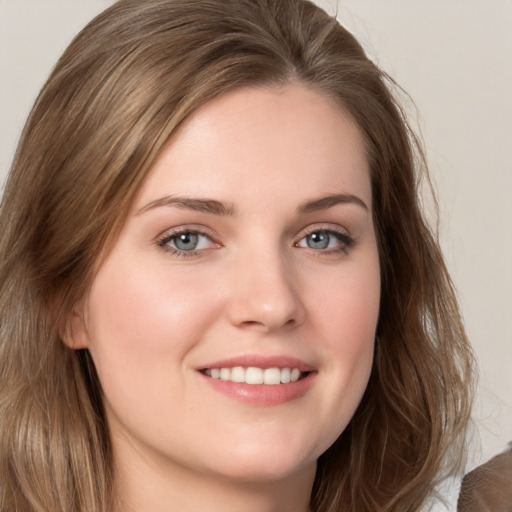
point(254, 285)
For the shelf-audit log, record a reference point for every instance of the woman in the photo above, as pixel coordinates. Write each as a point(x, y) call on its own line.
point(217, 287)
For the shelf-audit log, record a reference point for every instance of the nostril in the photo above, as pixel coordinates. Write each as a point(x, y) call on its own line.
point(251, 324)
point(266, 326)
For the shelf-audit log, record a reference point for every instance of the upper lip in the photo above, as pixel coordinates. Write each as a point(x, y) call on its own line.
point(260, 361)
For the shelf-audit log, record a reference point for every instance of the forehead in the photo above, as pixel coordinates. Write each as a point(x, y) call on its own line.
point(252, 141)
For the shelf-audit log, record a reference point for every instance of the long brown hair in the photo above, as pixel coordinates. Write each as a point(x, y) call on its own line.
point(115, 97)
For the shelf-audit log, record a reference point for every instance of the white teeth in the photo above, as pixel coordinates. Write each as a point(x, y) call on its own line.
point(285, 375)
point(238, 374)
point(254, 375)
point(295, 374)
point(225, 374)
point(272, 376)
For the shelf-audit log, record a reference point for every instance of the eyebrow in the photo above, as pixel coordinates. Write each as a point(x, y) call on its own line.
point(324, 203)
point(228, 209)
point(197, 204)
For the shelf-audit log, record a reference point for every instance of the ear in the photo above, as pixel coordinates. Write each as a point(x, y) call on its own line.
point(74, 334)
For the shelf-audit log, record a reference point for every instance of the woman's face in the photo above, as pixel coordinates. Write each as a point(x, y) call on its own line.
point(249, 256)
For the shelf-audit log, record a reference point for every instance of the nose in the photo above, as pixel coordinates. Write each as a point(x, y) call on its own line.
point(265, 294)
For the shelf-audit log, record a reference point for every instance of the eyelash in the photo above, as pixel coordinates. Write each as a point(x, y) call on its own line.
point(168, 237)
point(347, 241)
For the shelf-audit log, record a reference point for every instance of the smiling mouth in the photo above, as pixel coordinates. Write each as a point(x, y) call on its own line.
point(254, 375)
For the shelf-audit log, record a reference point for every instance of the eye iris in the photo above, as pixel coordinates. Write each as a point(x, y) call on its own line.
point(186, 241)
point(318, 240)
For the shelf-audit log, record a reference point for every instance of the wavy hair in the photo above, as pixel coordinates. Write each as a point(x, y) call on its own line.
point(120, 90)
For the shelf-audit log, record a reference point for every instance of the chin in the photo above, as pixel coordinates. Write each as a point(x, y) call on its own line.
point(264, 471)
point(266, 458)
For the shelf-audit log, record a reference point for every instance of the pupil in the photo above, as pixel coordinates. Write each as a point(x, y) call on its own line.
point(186, 241)
point(318, 240)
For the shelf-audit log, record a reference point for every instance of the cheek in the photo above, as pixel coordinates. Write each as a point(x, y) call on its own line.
point(137, 316)
point(350, 323)
point(347, 306)
point(142, 327)
point(346, 318)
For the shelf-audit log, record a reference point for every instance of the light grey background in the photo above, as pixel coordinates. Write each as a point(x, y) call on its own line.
point(454, 57)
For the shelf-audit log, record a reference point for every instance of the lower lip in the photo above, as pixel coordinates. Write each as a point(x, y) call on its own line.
point(262, 394)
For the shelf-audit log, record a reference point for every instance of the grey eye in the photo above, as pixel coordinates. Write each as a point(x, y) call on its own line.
point(186, 241)
point(318, 240)
point(326, 240)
